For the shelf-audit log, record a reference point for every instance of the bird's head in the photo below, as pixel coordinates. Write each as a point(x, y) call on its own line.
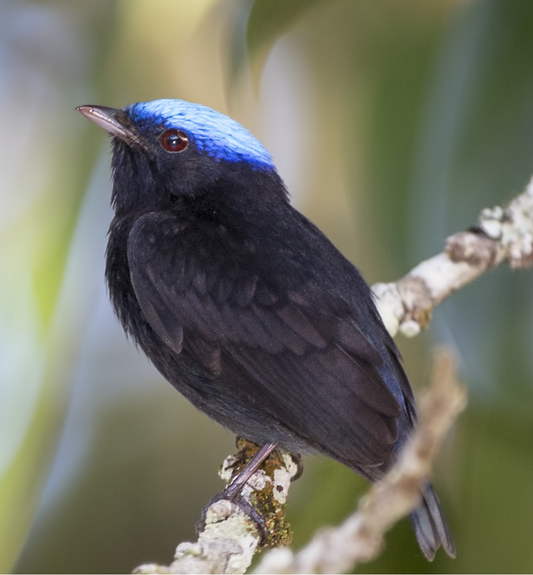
point(170, 148)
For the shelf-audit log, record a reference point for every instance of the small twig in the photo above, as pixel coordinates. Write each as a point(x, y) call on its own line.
point(360, 537)
point(502, 234)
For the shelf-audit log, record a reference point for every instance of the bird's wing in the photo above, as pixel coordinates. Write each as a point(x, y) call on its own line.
point(308, 364)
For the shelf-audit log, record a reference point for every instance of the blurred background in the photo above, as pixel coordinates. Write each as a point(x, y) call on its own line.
point(393, 125)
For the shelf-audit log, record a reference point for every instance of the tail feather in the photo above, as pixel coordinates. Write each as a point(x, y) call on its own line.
point(430, 527)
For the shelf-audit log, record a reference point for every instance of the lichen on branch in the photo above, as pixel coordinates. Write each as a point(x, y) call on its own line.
point(501, 235)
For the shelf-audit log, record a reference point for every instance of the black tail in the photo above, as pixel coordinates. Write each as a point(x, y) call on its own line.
point(431, 529)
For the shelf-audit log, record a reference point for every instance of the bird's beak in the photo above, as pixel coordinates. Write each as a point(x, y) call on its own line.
point(114, 121)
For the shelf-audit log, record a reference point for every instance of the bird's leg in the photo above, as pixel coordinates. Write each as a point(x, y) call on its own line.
point(235, 487)
point(233, 492)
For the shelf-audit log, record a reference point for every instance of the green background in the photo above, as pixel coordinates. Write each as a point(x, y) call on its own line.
point(393, 124)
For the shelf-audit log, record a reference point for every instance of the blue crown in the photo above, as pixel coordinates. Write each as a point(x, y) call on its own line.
point(214, 134)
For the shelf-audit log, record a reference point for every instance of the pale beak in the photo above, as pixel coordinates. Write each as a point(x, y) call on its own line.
point(112, 120)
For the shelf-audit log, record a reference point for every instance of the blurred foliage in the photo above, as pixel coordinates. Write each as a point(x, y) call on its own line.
point(41, 195)
point(269, 19)
point(255, 33)
point(393, 123)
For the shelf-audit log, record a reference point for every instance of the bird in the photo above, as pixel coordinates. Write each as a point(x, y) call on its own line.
point(243, 304)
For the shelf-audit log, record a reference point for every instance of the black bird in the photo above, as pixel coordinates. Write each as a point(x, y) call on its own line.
point(243, 304)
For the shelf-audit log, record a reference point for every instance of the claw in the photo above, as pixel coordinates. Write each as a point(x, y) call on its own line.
point(244, 506)
point(259, 503)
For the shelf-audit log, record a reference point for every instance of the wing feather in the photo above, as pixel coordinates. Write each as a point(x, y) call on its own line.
point(316, 373)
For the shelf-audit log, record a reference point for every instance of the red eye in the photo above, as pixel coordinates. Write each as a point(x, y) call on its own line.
point(174, 140)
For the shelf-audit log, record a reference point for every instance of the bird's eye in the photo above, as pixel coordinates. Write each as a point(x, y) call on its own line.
point(174, 140)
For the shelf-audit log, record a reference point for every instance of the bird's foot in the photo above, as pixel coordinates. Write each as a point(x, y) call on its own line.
point(299, 467)
point(243, 505)
point(259, 496)
point(233, 491)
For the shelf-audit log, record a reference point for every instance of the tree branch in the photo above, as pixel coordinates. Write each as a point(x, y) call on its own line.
point(360, 537)
point(502, 234)
point(230, 538)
